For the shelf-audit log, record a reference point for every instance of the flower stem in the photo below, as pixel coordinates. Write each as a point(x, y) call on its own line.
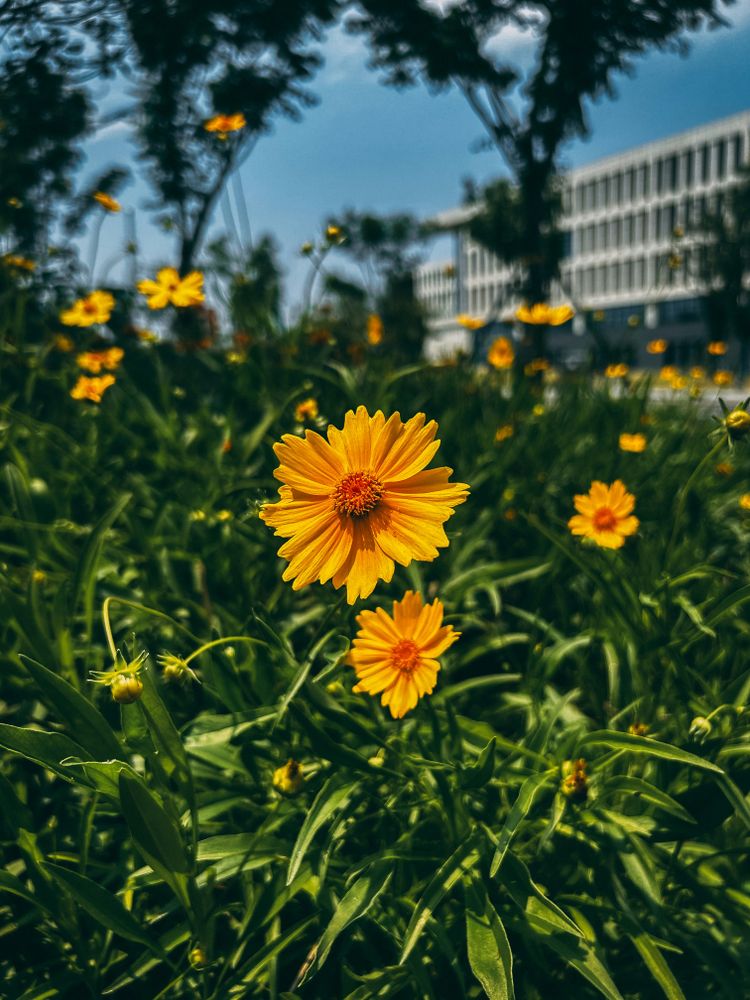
point(683, 495)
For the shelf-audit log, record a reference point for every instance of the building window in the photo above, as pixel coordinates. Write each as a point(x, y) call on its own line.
point(473, 300)
point(474, 264)
point(721, 159)
point(614, 277)
point(601, 278)
point(602, 193)
point(601, 236)
point(672, 173)
point(688, 163)
point(705, 163)
point(660, 176)
point(589, 196)
point(680, 311)
point(615, 232)
point(579, 198)
point(737, 145)
point(627, 275)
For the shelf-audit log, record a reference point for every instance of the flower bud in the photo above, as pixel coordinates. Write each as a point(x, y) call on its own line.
point(700, 729)
point(126, 688)
point(737, 423)
point(288, 779)
point(197, 957)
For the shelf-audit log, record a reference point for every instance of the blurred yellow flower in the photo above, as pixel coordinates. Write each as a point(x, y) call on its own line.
point(605, 514)
point(224, 515)
point(374, 330)
point(107, 202)
point(63, 343)
point(540, 314)
point(357, 503)
point(307, 409)
point(306, 249)
point(14, 202)
point(18, 262)
point(501, 353)
point(96, 307)
point(235, 357)
point(697, 373)
point(469, 322)
point(616, 371)
point(674, 262)
point(668, 373)
point(397, 656)
point(724, 469)
point(632, 442)
point(333, 232)
point(737, 423)
point(170, 288)
point(538, 409)
point(504, 432)
point(657, 346)
point(678, 232)
point(723, 378)
point(92, 388)
point(634, 320)
point(94, 361)
point(222, 125)
point(535, 366)
point(289, 778)
point(145, 336)
point(717, 348)
point(679, 382)
point(745, 501)
point(600, 315)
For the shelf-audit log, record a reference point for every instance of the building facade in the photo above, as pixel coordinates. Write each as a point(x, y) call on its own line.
point(629, 253)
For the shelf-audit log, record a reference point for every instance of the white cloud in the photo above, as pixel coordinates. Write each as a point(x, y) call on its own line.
point(111, 131)
point(345, 56)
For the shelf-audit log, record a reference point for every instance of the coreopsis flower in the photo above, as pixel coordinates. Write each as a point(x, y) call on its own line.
point(723, 378)
point(737, 423)
point(92, 388)
point(14, 260)
point(174, 668)
point(674, 262)
point(108, 203)
point(170, 289)
point(605, 514)
point(224, 515)
point(724, 469)
point(289, 778)
point(96, 307)
point(632, 442)
point(63, 343)
point(668, 373)
point(222, 125)
point(307, 409)
point(397, 656)
point(657, 346)
point(745, 501)
point(94, 361)
point(679, 382)
point(144, 335)
point(638, 729)
point(307, 248)
point(538, 410)
point(697, 373)
point(469, 322)
point(575, 780)
point(535, 366)
point(616, 371)
point(540, 314)
point(334, 234)
point(504, 432)
point(122, 680)
point(717, 348)
point(501, 353)
point(374, 330)
point(357, 503)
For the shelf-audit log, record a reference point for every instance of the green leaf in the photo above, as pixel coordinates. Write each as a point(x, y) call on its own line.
point(544, 916)
point(169, 746)
point(736, 798)
point(84, 580)
point(582, 957)
point(657, 965)
point(644, 745)
point(453, 868)
point(47, 749)
point(481, 771)
point(101, 904)
point(92, 730)
point(332, 796)
point(487, 944)
point(518, 812)
point(155, 834)
point(13, 813)
point(632, 787)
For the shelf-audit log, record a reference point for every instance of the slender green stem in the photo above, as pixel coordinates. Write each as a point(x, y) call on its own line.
point(684, 493)
point(219, 642)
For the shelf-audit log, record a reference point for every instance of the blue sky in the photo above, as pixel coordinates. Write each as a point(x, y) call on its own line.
point(368, 146)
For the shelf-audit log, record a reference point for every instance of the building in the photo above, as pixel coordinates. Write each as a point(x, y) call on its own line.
point(629, 253)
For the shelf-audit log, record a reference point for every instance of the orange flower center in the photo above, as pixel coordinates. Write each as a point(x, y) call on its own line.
point(89, 307)
point(604, 519)
point(405, 655)
point(357, 494)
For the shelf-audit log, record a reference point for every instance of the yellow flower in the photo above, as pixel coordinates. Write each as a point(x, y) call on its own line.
point(355, 504)
point(575, 780)
point(737, 423)
point(307, 409)
point(538, 409)
point(145, 336)
point(678, 232)
point(501, 353)
point(638, 729)
point(469, 322)
point(94, 361)
point(122, 680)
point(668, 373)
point(723, 378)
point(20, 263)
point(289, 778)
point(616, 371)
point(224, 124)
point(600, 315)
point(306, 249)
point(14, 202)
point(107, 202)
point(396, 656)
point(634, 320)
point(174, 668)
point(169, 287)
point(92, 388)
point(504, 432)
point(674, 262)
point(745, 501)
point(697, 373)
point(717, 348)
point(224, 515)
point(333, 232)
point(95, 308)
point(535, 365)
point(235, 357)
point(633, 442)
point(657, 346)
point(63, 343)
point(724, 469)
point(679, 382)
point(374, 329)
point(540, 314)
point(39, 576)
point(605, 514)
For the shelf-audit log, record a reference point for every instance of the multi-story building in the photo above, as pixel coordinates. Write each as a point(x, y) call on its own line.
point(630, 256)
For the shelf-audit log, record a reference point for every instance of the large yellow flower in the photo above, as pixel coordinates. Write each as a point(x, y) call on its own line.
point(94, 361)
point(222, 125)
point(397, 656)
point(95, 308)
point(353, 505)
point(169, 287)
point(605, 514)
point(92, 388)
point(540, 314)
point(501, 353)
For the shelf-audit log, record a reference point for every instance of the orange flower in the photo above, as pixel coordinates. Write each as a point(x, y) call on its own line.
point(469, 322)
point(605, 514)
point(396, 656)
point(63, 343)
point(504, 432)
point(14, 260)
point(633, 442)
point(107, 202)
point(95, 308)
point(616, 371)
point(535, 365)
point(374, 330)
point(669, 372)
point(541, 314)
point(697, 373)
point(723, 378)
point(94, 361)
point(355, 504)
point(501, 353)
point(222, 125)
point(92, 388)
point(745, 501)
point(717, 348)
point(307, 409)
point(169, 287)
point(657, 346)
